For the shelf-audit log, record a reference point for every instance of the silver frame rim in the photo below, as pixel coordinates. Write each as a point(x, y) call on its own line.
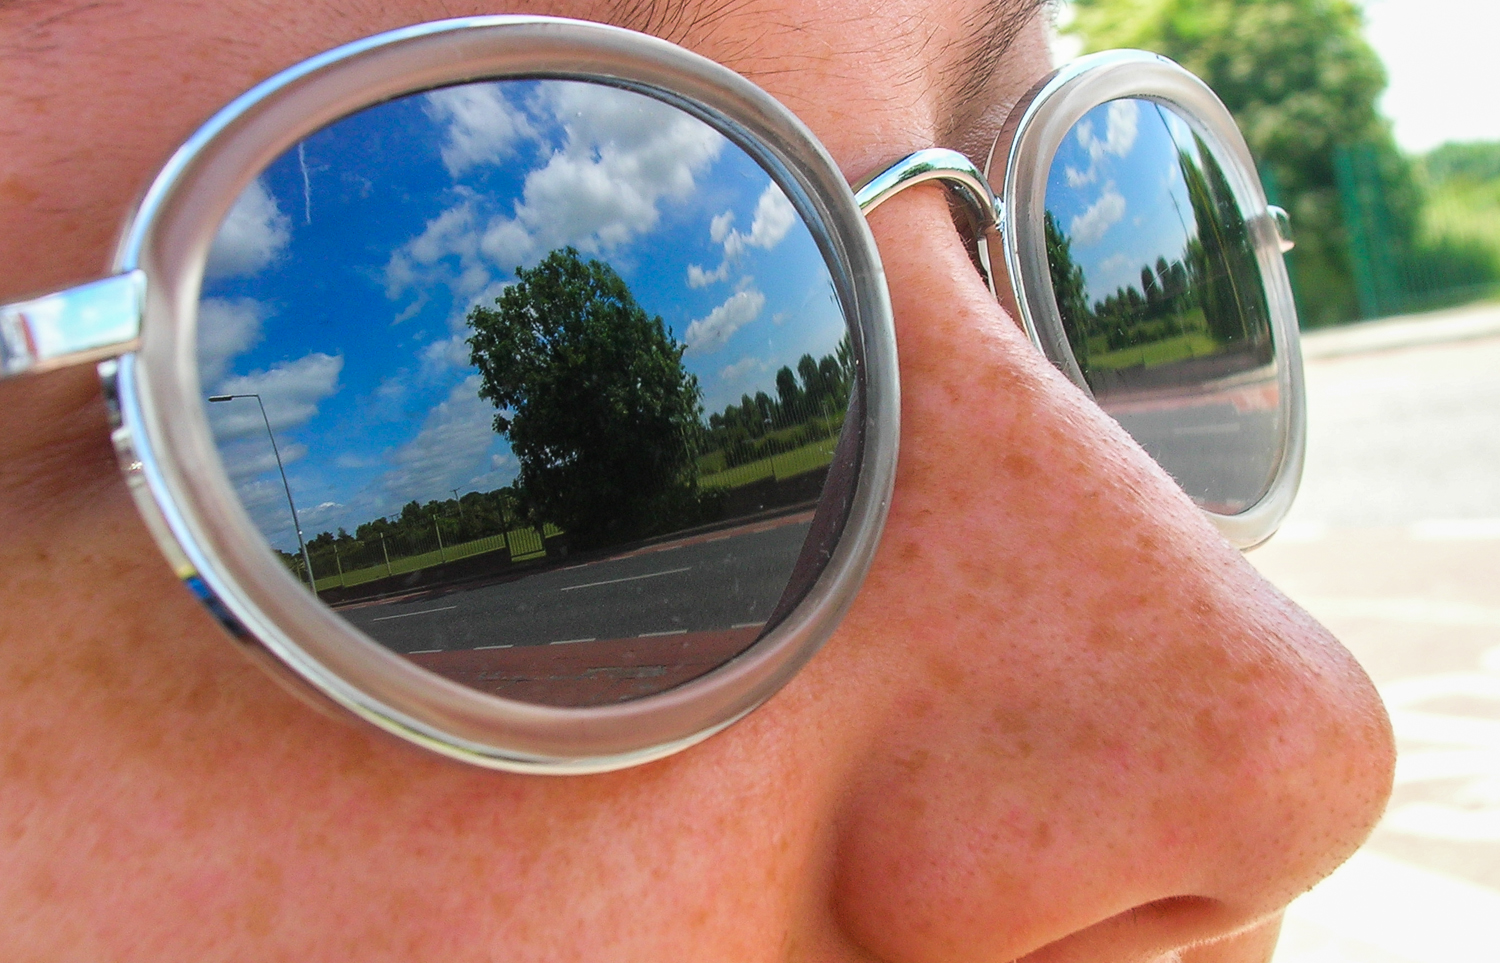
point(200, 519)
point(1027, 143)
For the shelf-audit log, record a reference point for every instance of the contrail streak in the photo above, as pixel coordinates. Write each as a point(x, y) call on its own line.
point(306, 184)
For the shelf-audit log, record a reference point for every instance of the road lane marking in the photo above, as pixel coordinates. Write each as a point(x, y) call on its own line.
point(569, 641)
point(747, 625)
point(403, 615)
point(653, 635)
point(1224, 428)
point(718, 538)
point(485, 648)
point(628, 578)
point(423, 651)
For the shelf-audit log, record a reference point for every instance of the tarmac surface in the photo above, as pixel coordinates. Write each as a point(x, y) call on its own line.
point(1394, 544)
point(601, 631)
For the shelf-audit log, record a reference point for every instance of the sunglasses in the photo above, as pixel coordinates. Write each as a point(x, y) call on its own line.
point(528, 387)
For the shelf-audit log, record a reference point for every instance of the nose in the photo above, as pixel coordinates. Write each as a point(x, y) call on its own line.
point(1098, 733)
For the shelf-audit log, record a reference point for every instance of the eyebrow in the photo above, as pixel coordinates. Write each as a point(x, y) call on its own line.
point(969, 75)
point(967, 67)
point(672, 20)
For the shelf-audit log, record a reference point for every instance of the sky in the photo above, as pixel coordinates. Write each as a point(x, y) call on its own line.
point(1441, 60)
point(1443, 66)
point(339, 284)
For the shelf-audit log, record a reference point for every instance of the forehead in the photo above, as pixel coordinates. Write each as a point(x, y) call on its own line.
point(915, 46)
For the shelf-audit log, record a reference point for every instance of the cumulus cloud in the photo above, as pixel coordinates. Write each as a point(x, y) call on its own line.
point(445, 353)
point(1089, 227)
point(699, 278)
point(622, 154)
point(291, 392)
point(1122, 120)
point(450, 449)
point(226, 327)
point(618, 157)
point(1121, 125)
point(419, 261)
point(708, 334)
point(773, 218)
point(252, 456)
point(251, 237)
point(743, 370)
point(481, 126)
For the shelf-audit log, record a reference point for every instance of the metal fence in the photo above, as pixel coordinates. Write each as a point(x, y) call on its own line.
point(358, 561)
point(1442, 260)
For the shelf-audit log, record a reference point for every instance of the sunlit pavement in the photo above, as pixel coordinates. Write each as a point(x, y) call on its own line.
point(1395, 545)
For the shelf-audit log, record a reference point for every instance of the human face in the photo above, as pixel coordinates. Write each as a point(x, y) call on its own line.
point(1063, 719)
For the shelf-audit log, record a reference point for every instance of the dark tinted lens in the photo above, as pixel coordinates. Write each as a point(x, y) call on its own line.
point(1160, 294)
point(551, 375)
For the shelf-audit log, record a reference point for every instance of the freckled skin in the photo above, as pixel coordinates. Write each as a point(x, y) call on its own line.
point(1063, 722)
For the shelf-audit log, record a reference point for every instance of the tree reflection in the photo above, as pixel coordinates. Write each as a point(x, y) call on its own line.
point(1207, 301)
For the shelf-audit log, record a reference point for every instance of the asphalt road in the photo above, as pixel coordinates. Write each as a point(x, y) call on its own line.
point(713, 582)
point(1394, 544)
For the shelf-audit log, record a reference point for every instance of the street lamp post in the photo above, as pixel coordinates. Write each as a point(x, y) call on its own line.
point(297, 525)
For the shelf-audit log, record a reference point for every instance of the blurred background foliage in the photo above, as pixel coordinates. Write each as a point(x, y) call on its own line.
point(1378, 232)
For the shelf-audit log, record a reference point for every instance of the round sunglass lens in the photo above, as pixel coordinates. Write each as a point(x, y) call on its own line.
point(1156, 280)
point(543, 384)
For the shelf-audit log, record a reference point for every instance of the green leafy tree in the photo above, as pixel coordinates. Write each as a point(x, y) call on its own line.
point(1069, 289)
point(594, 399)
point(1302, 82)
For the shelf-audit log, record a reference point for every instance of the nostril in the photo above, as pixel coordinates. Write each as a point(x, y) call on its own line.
point(1148, 931)
point(1178, 911)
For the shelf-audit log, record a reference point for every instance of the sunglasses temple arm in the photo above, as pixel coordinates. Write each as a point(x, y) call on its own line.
point(80, 325)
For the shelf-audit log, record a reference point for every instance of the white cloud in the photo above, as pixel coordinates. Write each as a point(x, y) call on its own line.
point(450, 449)
point(708, 334)
point(1090, 227)
point(502, 469)
point(1121, 125)
point(226, 327)
point(252, 456)
point(251, 237)
point(482, 126)
point(291, 392)
point(445, 353)
point(417, 262)
point(622, 154)
point(1122, 118)
point(774, 217)
point(699, 278)
point(746, 366)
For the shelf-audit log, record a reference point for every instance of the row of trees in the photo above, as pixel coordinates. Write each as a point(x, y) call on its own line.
point(809, 404)
point(417, 529)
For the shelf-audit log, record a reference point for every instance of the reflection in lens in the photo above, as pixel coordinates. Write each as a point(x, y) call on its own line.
point(1155, 277)
point(542, 381)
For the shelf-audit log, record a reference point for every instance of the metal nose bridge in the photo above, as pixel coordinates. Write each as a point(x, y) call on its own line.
point(955, 170)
